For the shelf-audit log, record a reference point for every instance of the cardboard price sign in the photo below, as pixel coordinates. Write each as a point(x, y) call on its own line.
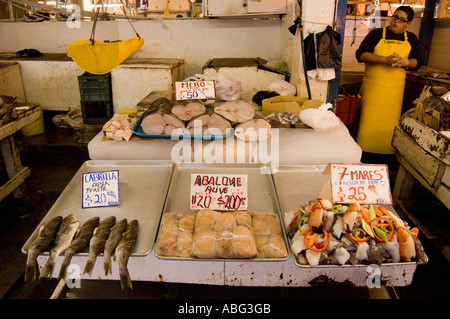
point(219, 192)
point(100, 189)
point(364, 183)
point(195, 90)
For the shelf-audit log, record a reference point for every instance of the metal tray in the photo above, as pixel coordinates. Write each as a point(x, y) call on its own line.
point(143, 188)
point(137, 129)
point(297, 184)
point(261, 195)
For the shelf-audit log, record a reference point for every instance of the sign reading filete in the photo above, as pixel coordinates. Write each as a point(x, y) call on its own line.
point(100, 189)
point(363, 183)
point(219, 192)
point(194, 90)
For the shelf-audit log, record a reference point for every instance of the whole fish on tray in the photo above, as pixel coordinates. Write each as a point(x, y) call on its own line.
point(124, 250)
point(111, 243)
point(64, 237)
point(43, 240)
point(97, 242)
point(81, 240)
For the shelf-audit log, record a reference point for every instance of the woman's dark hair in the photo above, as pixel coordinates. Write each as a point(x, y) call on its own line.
point(408, 10)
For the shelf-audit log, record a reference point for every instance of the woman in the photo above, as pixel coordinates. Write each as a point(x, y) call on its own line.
point(387, 53)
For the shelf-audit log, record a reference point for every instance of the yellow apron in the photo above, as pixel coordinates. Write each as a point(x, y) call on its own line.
point(382, 98)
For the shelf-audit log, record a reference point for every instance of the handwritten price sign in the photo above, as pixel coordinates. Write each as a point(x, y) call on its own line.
point(195, 90)
point(219, 192)
point(100, 189)
point(364, 183)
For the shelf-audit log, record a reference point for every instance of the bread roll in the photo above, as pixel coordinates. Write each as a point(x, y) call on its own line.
point(204, 245)
point(206, 219)
point(225, 245)
point(243, 218)
point(187, 223)
point(226, 221)
point(184, 244)
point(244, 242)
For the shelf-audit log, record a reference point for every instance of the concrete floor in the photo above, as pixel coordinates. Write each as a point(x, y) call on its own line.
point(55, 157)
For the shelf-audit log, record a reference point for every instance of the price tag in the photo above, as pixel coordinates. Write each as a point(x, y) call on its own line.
point(219, 192)
point(195, 90)
point(364, 183)
point(100, 189)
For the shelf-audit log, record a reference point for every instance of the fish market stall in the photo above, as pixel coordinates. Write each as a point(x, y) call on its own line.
point(156, 194)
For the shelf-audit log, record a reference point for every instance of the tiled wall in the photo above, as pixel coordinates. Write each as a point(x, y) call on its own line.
point(439, 56)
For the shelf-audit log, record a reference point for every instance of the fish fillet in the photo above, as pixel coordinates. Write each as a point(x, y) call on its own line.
point(211, 124)
point(189, 111)
point(236, 111)
point(161, 124)
point(253, 130)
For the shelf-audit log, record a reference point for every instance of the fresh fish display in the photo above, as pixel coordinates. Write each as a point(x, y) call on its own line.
point(81, 240)
point(124, 250)
point(111, 243)
point(43, 240)
point(64, 236)
point(209, 123)
point(97, 242)
point(159, 120)
point(187, 112)
point(236, 111)
point(282, 119)
point(253, 130)
point(322, 234)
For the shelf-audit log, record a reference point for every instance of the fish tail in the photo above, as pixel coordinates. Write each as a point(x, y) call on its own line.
point(63, 270)
point(125, 280)
point(47, 271)
point(107, 264)
point(30, 270)
point(89, 265)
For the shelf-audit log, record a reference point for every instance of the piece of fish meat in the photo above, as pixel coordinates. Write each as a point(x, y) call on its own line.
point(97, 242)
point(374, 253)
point(81, 240)
point(159, 120)
point(44, 239)
point(189, 111)
point(124, 250)
point(236, 111)
point(161, 124)
point(63, 239)
point(253, 130)
point(111, 243)
point(209, 124)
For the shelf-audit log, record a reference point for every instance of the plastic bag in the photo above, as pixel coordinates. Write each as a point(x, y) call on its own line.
point(283, 88)
point(328, 49)
point(226, 89)
point(321, 119)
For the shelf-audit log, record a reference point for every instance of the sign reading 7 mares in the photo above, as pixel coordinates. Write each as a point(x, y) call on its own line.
point(363, 183)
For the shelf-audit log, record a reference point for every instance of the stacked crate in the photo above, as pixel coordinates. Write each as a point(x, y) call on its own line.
point(96, 98)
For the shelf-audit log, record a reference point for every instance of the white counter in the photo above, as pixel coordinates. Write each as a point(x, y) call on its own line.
point(295, 146)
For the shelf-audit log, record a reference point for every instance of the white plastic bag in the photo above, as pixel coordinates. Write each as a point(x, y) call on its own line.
point(321, 119)
point(283, 88)
point(226, 89)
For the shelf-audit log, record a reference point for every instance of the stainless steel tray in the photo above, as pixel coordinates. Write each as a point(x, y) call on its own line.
point(261, 194)
point(298, 184)
point(143, 188)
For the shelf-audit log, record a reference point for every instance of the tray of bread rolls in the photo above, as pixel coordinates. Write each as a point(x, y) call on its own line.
point(212, 234)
